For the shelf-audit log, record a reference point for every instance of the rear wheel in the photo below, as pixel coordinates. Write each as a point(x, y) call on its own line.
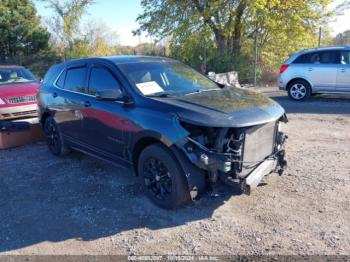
point(299, 90)
point(54, 138)
point(163, 180)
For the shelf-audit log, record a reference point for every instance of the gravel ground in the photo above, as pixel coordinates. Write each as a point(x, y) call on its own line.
point(80, 205)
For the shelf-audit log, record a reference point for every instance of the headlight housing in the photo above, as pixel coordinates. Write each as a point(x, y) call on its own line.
point(2, 102)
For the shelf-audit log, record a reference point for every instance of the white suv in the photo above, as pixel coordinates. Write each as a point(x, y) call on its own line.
point(314, 71)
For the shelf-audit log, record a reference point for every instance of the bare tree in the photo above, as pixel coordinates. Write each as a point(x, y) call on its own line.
point(94, 30)
point(66, 20)
point(343, 5)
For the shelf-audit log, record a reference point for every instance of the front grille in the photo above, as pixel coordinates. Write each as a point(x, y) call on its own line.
point(21, 99)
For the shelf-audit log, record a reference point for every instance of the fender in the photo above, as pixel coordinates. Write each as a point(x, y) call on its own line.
point(196, 178)
point(135, 138)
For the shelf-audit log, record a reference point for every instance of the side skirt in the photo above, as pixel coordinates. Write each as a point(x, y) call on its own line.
point(99, 154)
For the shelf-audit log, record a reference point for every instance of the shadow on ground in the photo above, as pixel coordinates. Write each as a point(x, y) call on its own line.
point(45, 198)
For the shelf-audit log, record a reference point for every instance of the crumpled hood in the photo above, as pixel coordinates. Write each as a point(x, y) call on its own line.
point(229, 107)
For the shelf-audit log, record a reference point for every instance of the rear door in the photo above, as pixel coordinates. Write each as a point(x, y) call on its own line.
point(68, 97)
point(322, 70)
point(343, 77)
point(103, 121)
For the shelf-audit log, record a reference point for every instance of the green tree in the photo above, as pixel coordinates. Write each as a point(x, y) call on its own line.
point(230, 21)
point(227, 28)
point(20, 30)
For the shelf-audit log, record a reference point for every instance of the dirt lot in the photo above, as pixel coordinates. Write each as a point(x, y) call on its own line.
point(79, 205)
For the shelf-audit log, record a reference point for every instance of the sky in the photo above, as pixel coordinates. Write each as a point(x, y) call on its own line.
point(120, 16)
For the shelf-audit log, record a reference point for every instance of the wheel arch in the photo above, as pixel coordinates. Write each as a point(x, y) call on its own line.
point(296, 79)
point(195, 177)
point(141, 143)
point(43, 118)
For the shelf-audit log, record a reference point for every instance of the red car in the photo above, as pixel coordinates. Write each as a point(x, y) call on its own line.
point(18, 91)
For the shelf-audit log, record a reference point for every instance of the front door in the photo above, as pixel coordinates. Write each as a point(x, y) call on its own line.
point(343, 77)
point(103, 120)
point(323, 69)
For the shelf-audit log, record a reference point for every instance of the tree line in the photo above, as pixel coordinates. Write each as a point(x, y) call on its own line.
point(220, 34)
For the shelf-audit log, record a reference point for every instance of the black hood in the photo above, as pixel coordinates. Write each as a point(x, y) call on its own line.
point(228, 107)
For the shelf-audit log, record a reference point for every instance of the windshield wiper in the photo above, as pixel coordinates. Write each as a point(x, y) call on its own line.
point(159, 94)
point(201, 91)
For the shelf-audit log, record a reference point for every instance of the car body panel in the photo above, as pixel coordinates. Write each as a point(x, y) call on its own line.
point(231, 107)
point(13, 90)
point(322, 77)
point(343, 78)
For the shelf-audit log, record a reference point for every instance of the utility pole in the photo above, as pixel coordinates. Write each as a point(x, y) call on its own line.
point(255, 56)
point(319, 36)
point(205, 57)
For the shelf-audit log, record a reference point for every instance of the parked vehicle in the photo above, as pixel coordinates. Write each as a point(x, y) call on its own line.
point(180, 131)
point(316, 71)
point(18, 92)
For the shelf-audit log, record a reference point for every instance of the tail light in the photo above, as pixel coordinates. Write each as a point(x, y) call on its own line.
point(283, 68)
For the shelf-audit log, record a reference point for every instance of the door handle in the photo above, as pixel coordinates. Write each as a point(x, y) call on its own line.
point(342, 70)
point(54, 95)
point(86, 104)
point(310, 69)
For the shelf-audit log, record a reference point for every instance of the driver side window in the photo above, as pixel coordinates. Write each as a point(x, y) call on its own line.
point(101, 78)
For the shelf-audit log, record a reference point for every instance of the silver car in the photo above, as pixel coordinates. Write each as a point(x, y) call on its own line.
point(315, 71)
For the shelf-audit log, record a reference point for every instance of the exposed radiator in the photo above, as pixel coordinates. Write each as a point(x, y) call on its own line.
point(259, 144)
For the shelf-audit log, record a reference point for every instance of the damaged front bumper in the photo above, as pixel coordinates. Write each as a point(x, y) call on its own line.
point(222, 165)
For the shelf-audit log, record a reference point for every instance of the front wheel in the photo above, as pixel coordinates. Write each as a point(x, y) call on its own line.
point(54, 138)
point(163, 180)
point(299, 90)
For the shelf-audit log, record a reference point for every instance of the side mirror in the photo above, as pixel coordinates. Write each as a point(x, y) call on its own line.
point(114, 94)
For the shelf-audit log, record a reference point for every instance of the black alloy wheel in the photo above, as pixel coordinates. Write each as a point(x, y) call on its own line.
point(162, 177)
point(54, 138)
point(157, 178)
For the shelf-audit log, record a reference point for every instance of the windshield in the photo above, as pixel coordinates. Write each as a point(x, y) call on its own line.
point(15, 75)
point(171, 78)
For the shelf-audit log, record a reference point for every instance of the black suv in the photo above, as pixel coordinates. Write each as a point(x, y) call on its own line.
point(179, 130)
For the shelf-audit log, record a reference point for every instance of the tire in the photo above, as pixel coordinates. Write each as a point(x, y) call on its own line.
point(54, 138)
point(162, 179)
point(299, 90)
